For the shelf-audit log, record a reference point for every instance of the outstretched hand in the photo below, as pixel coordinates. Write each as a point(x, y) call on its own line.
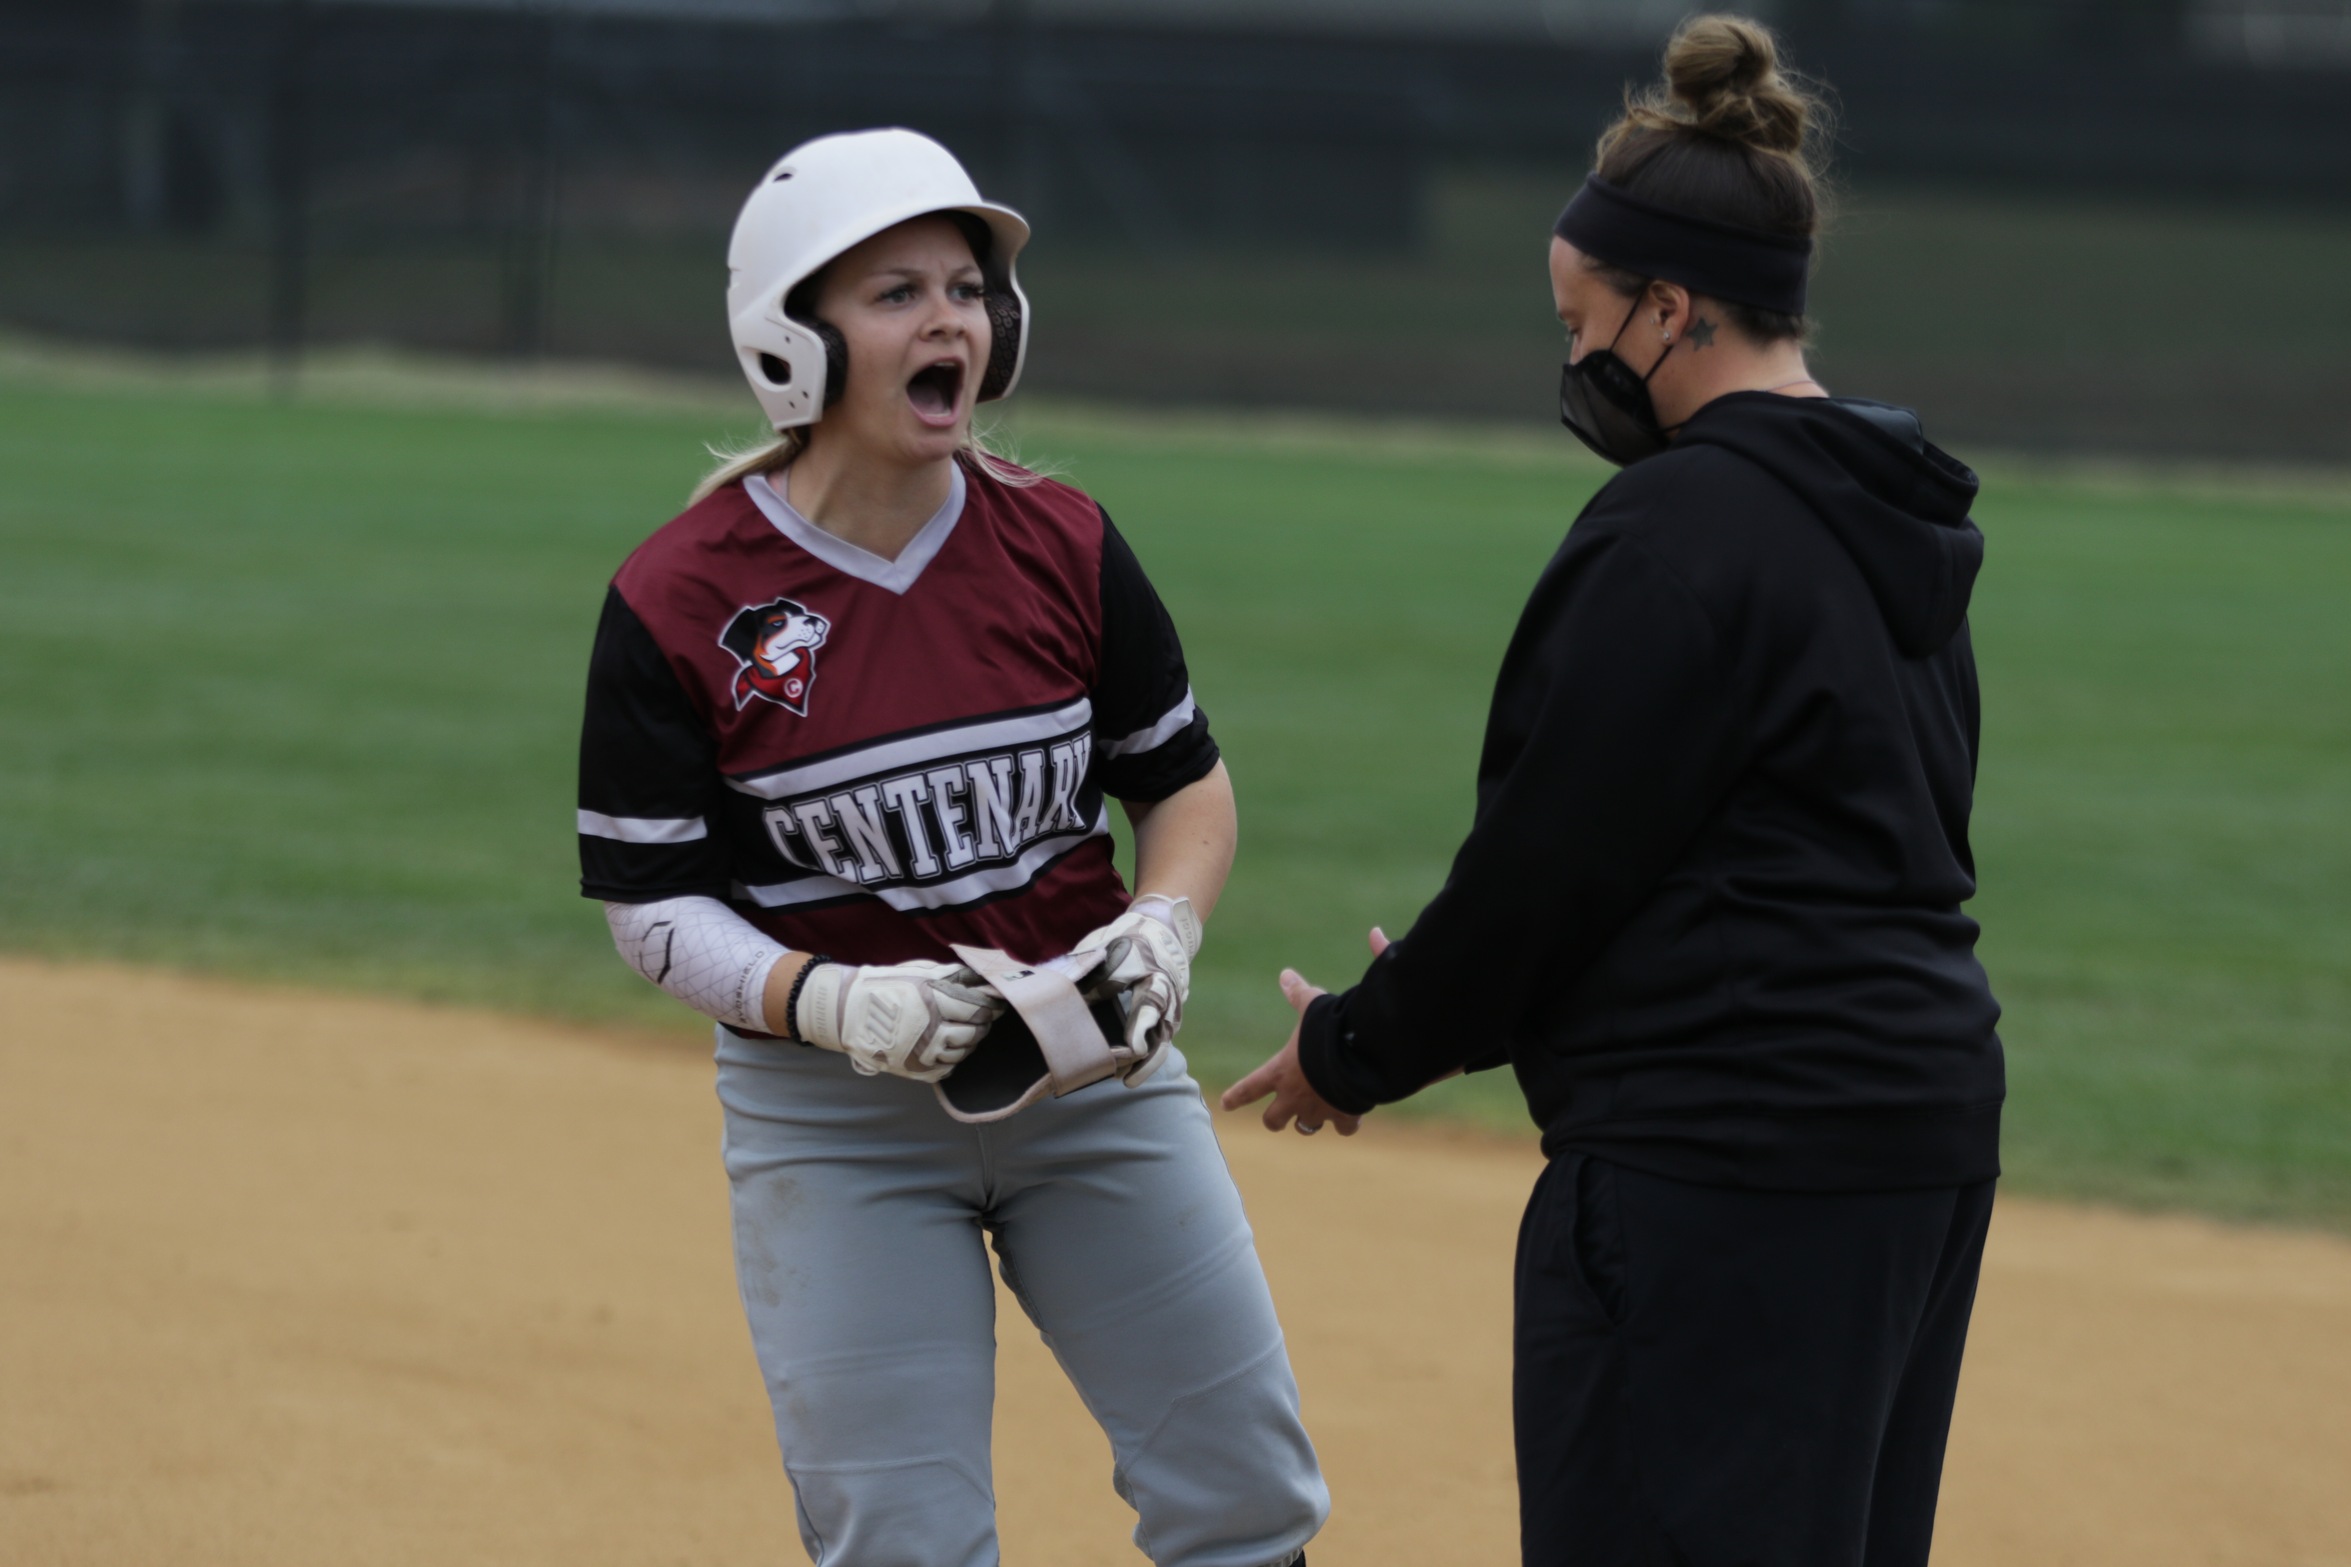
point(1294, 1098)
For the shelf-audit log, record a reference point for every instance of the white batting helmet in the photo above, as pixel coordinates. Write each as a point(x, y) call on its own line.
point(820, 199)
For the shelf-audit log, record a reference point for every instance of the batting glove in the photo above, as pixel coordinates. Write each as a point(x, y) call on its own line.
point(912, 1020)
point(1146, 957)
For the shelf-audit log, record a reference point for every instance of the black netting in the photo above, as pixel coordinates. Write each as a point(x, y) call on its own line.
point(2041, 252)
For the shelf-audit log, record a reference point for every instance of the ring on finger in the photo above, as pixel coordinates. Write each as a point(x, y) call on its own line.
point(1308, 1129)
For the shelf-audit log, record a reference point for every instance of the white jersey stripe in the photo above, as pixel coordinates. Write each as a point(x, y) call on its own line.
point(644, 829)
point(1171, 723)
point(1010, 876)
point(891, 756)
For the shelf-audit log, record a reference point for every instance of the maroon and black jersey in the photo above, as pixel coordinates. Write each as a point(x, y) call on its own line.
point(870, 758)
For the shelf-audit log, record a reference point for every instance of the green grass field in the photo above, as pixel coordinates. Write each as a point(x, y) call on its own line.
point(291, 692)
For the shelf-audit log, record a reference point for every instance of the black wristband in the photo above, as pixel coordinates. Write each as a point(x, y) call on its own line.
point(791, 1028)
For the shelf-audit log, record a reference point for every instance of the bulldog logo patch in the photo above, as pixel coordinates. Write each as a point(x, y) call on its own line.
point(775, 643)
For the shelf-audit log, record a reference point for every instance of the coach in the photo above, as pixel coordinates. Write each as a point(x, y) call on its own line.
point(1710, 907)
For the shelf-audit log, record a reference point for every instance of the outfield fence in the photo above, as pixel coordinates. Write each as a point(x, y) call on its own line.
point(2094, 224)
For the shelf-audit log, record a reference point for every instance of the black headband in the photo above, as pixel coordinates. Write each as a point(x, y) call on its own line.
point(1721, 260)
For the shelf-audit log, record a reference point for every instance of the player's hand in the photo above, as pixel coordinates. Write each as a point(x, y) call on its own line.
point(1146, 962)
point(914, 1020)
point(1294, 1098)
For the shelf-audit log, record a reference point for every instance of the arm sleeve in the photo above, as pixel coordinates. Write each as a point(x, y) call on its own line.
point(648, 812)
point(701, 952)
point(1630, 739)
point(1150, 736)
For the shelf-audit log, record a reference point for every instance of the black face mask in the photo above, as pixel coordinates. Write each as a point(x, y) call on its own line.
point(1608, 407)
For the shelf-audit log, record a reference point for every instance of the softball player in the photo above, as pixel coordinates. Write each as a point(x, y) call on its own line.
point(864, 700)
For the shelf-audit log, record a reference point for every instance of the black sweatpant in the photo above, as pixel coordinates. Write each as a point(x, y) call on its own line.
point(1713, 1377)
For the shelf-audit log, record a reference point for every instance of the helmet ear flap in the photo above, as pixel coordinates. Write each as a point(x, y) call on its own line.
point(1004, 313)
point(800, 310)
point(1004, 305)
point(836, 358)
point(777, 357)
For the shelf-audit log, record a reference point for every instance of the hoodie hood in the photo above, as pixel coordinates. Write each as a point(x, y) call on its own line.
point(1896, 502)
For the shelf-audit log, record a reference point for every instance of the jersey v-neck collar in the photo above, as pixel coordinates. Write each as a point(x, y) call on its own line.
point(892, 576)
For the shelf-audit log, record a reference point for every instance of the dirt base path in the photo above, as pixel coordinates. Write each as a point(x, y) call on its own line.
point(291, 1279)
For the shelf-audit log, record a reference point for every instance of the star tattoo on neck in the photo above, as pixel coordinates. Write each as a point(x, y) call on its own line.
point(1701, 333)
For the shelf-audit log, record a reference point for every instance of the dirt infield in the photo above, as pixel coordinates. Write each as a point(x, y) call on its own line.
point(293, 1279)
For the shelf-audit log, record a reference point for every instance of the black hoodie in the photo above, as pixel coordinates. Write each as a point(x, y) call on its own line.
point(1709, 908)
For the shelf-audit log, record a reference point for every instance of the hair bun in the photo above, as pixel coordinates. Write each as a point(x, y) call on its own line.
point(1723, 73)
point(1726, 136)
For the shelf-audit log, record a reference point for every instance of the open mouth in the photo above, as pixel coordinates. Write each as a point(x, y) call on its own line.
point(935, 390)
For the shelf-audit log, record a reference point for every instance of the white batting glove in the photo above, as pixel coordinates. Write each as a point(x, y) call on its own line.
point(1146, 956)
point(914, 1020)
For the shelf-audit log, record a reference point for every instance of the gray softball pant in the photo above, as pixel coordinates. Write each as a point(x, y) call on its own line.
point(859, 1208)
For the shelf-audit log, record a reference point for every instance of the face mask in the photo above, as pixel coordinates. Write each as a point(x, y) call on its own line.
point(1608, 407)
